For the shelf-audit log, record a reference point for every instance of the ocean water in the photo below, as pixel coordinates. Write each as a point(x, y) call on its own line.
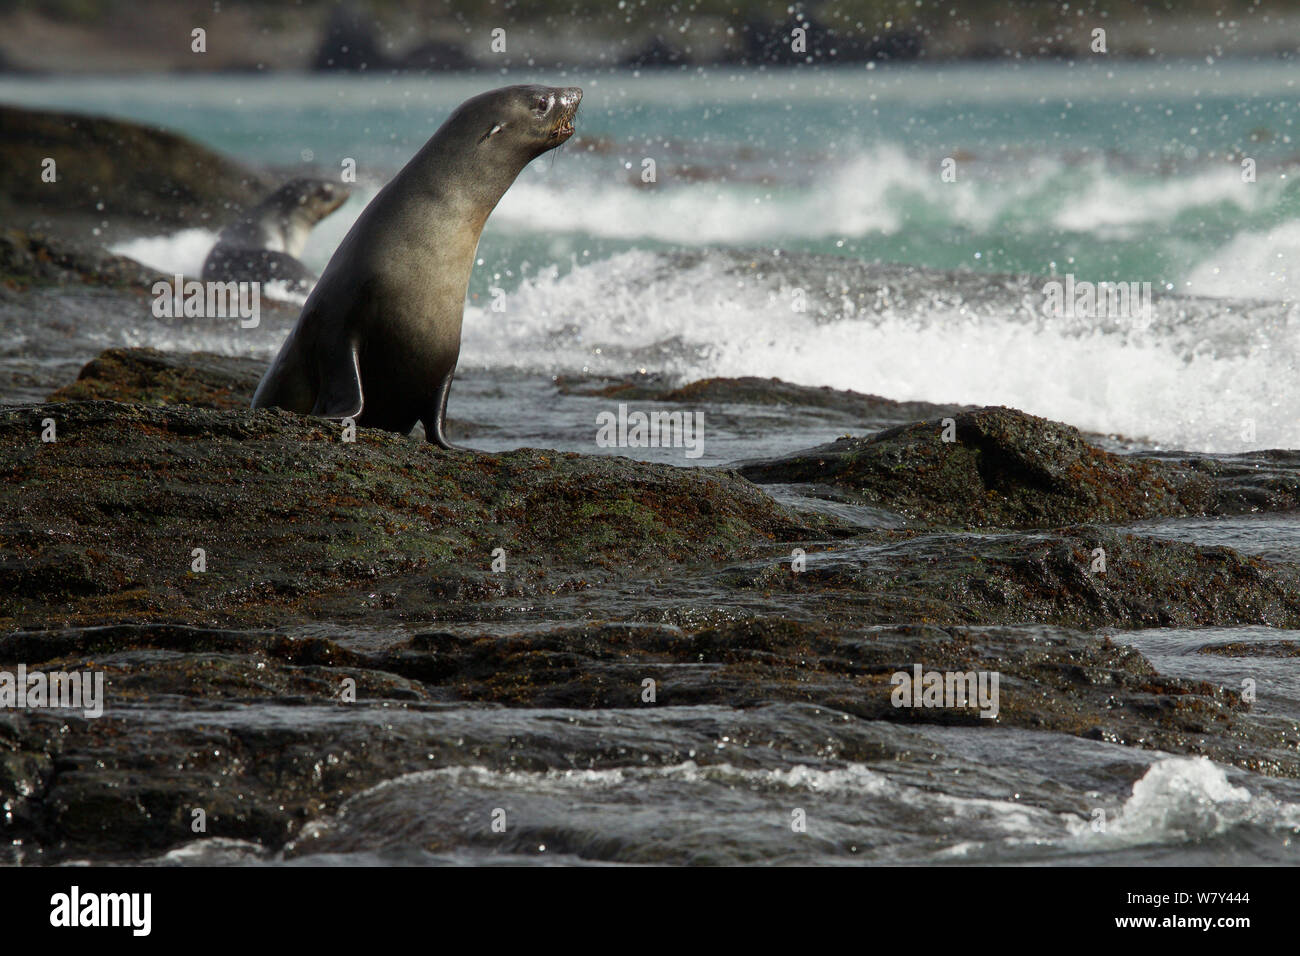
point(824, 184)
point(1154, 810)
point(1123, 172)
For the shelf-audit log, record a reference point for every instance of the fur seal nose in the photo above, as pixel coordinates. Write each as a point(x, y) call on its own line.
point(567, 100)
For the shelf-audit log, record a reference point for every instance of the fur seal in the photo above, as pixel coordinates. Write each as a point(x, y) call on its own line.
point(265, 242)
point(379, 336)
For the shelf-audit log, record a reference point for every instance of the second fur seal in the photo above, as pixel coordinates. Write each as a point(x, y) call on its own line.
point(265, 242)
point(379, 336)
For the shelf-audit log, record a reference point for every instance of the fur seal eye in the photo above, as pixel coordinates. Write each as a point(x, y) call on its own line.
point(542, 105)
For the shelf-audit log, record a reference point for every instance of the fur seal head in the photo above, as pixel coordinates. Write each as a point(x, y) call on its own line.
point(489, 139)
point(293, 209)
point(530, 119)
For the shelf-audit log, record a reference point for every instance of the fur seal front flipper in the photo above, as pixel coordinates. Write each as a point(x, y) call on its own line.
point(379, 336)
point(339, 395)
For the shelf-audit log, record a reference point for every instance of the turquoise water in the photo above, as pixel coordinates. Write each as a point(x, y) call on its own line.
point(1107, 171)
point(1114, 171)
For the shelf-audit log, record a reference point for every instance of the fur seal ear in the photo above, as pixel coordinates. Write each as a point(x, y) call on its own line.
point(340, 387)
point(492, 132)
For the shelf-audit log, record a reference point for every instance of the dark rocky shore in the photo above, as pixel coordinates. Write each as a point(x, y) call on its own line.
point(372, 560)
point(379, 38)
point(357, 599)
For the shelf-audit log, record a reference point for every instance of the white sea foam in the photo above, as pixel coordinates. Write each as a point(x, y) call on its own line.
point(852, 782)
point(1253, 264)
point(633, 311)
point(1178, 799)
point(1115, 205)
point(1187, 798)
point(881, 191)
point(641, 310)
point(178, 253)
point(868, 194)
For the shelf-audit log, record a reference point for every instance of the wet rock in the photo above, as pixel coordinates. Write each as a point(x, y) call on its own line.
point(351, 43)
point(1252, 649)
point(288, 514)
point(1048, 678)
point(298, 523)
point(752, 390)
point(654, 52)
point(998, 467)
point(126, 785)
point(348, 630)
point(148, 375)
point(437, 55)
point(168, 181)
point(1087, 577)
point(769, 42)
point(151, 377)
point(36, 259)
point(1253, 481)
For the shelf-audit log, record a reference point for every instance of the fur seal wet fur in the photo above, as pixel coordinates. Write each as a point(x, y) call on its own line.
point(265, 242)
point(379, 336)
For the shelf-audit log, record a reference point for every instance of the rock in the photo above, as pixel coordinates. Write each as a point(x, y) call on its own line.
point(350, 43)
point(654, 52)
point(1002, 468)
point(437, 55)
point(37, 259)
point(752, 390)
point(347, 629)
point(1252, 649)
point(293, 519)
point(263, 780)
point(169, 180)
point(151, 377)
point(770, 42)
point(1049, 578)
point(388, 509)
point(1255, 481)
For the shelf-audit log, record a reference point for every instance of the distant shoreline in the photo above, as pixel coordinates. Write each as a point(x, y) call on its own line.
point(599, 69)
point(156, 37)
